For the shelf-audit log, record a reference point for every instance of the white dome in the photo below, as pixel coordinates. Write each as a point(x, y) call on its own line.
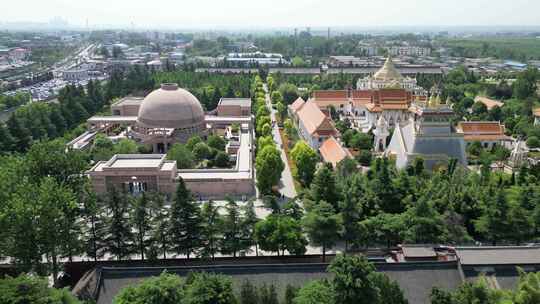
point(170, 107)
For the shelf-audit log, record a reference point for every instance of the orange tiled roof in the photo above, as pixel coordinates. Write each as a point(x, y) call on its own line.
point(330, 94)
point(358, 94)
point(490, 103)
point(297, 104)
point(482, 130)
point(313, 118)
point(333, 152)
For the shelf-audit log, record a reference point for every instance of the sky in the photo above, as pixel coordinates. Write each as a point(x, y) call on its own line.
point(253, 14)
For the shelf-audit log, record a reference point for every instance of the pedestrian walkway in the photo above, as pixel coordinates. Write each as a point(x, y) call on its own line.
point(286, 183)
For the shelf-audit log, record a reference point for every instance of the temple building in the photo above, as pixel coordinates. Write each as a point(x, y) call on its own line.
point(164, 117)
point(488, 133)
point(430, 136)
point(386, 93)
point(313, 125)
point(169, 115)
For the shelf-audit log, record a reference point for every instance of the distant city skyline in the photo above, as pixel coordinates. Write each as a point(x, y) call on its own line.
point(278, 13)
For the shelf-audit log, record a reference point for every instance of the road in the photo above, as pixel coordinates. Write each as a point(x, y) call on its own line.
point(286, 184)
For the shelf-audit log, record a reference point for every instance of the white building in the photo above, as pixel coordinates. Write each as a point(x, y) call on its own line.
point(75, 74)
point(429, 136)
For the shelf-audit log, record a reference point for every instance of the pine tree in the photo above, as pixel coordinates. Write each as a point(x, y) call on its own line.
point(22, 138)
point(232, 232)
point(185, 222)
point(119, 240)
point(160, 223)
point(323, 187)
point(94, 221)
point(6, 140)
point(141, 219)
point(211, 229)
point(249, 221)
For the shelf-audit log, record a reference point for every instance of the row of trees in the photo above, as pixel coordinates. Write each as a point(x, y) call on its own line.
point(209, 88)
point(41, 121)
point(268, 162)
point(18, 99)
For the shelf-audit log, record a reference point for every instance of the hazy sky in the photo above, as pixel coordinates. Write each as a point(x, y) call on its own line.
point(275, 13)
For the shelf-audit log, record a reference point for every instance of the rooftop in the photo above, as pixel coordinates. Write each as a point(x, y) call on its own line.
point(333, 152)
point(490, 103)
point(128, 101)
point(498, 255)
point(482, 130)
point(312, 117)
point(243, 102)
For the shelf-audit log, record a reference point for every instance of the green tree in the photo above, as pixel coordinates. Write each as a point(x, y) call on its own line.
point(361, 141)
point(126, 146)
point(206, 288)
point(389, 290)
point(55, 203)
point(161, 242)
point(216, 142)
point(323, 226)
point(119, 240)
point(306, 160)
point(182, 155)
point(142, 220)
point(281, 111)
point(289, 92)
point(211, 229)
point(184, 222)
point(201, 151)
point(276, 97)
point(353, 280)
point(194, 140)
point(323, 187)
point(494, 224)
point(232, 230)
point(279, 233)
point(249, 220)
point(269, 166)
point(164, 289)
point(30, 289)
point(315, 292)
point(221, 160)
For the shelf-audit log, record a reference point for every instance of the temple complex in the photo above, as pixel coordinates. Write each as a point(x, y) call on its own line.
point(164, 117)
point(386, 93)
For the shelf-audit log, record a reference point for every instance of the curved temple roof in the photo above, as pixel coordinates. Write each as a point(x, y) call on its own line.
point(388, 71)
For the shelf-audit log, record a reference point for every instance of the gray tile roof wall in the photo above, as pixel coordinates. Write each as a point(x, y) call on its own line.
point(416, 279)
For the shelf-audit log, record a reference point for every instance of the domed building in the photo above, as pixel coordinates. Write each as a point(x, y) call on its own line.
point(169, 115)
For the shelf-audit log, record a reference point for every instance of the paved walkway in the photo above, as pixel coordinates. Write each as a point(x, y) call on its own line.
point(286, 184)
